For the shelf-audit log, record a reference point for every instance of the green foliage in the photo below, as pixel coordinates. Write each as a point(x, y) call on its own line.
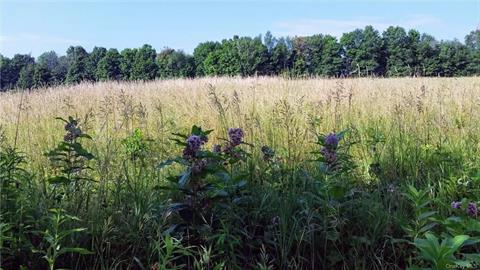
point(144, 66)
point(364, 53)
point(78, 65)
point(55, 234)
point(70, 157)
point(109, 66)
point(173, 64)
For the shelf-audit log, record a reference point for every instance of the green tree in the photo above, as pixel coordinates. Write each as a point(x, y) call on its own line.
point(173, 63)
point(42, 76)
point(281, 56)
point(454, 58)
point(127, 62)
point(109, 66)
point(399, 55)
point(363, 52)
point(6, 73)
point(200, 54)
point(78, 65)
point(59, 72)
point(472, 41)
point(25, 79)
point(427, 54)
point(144, 66)
point(97, 54)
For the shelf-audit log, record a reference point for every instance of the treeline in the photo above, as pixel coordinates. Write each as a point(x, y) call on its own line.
point(362, 52)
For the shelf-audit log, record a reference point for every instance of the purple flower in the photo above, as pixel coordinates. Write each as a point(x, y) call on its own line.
point(456, 205)
point(236, 136)
point(331, 140)
point(217, 148)
point(472, 209)
point(329, 155)
point(194, 143)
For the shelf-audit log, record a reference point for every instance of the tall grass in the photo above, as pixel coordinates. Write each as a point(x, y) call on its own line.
point(402, 136)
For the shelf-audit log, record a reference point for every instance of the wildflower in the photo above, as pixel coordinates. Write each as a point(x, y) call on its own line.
point(391, 188)
point(330, 156)
point(217, 148)
point(194, 143)
point(331, 140)
point(456, 205)
point(268, 153)
point(472, 209)
point(236, 136)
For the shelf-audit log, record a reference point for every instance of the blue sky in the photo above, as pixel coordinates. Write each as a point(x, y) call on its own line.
point(38, 26)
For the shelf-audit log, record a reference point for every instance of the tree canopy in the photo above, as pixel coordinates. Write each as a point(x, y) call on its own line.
point(362, 52)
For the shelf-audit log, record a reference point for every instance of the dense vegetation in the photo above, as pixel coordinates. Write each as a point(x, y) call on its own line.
point(363, 52)
point(297, 174)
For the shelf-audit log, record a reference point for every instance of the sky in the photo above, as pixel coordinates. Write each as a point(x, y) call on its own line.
point(37, 26)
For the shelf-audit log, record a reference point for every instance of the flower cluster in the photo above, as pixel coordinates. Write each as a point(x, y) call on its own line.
point(268, 153)
point(329, 149)
point(456, 205)
point(472, 209)
point(73, 131)
point(236, 136)
point(194, 143)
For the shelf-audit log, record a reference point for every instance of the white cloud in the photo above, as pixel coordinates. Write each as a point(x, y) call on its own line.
point(335, 27)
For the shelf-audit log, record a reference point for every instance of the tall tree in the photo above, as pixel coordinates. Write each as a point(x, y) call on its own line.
point(472, 41)
point(454, 58)
point(93, 59)
point(109, 66)
point(398, 51)
point(6, 74)
point(59, 73)
point(144, 66)
point(25, 78)
point(78, 65)
point(173, 64)
point(127, 62)
point(427, 54)
point(42, 76)
point(200, 54)
point(363, 52)
point(281, 56)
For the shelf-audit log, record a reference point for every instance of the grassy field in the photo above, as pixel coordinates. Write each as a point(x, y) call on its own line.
point(330, 174)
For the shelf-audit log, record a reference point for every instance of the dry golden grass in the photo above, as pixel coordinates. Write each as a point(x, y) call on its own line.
point(279, 112)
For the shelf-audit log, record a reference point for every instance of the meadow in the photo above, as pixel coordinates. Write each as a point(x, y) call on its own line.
point(242, 173)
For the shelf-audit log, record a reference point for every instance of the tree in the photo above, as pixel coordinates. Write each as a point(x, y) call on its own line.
point(281, 56)
point(12, 68)
point(363, 52)
point(42, 76)
point(398, 51)
point(25, 78)
point(200, 54)
point(127, 62)
point(78, 65)
point(454, 58)
point(427, 54)
point(173, 64)
point(331, 57)
point(144, 66)
point(93, 59)
point(472, 41)
point(252, 56)
point(5, 73)
point(109, 66)
point(59, 73)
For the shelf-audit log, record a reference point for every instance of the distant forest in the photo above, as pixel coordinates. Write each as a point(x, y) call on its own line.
point(362, 52)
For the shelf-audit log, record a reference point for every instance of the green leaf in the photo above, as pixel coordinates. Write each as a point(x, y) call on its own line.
point(58, 180)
